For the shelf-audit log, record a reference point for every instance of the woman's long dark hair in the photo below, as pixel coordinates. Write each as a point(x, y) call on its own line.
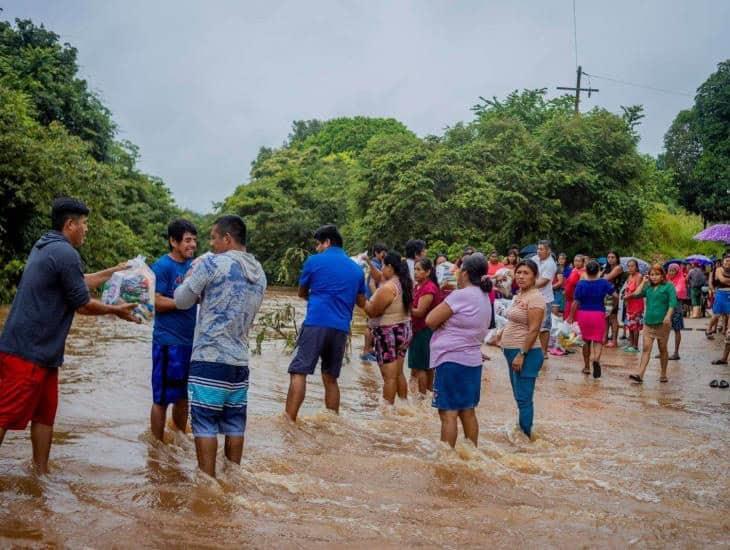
point(475, 266)
point(426, 265)
point(618, 258)
point(400, 268)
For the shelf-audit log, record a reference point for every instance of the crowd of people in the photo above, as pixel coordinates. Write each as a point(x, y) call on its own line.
point(433, 314)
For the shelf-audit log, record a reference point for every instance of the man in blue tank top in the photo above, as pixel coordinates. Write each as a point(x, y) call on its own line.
point(172, 337)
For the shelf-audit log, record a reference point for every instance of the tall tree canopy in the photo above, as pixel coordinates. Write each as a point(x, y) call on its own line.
point(524, 168)
point(697, 149)
point(57, 138)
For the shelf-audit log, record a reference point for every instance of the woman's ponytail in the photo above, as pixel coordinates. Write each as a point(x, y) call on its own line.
point(485, 283)
point(400, 267)
point(475, 266)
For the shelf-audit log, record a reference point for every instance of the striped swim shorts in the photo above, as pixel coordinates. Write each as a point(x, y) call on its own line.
point(218, 395)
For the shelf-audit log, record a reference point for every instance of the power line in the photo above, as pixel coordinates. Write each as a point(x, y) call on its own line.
point(575, 36)
point(626, 83)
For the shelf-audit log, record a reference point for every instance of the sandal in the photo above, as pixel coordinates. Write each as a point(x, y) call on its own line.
point(709, 335)
point(714, 384)
point(586, 370)
point(636, 378)
point(719, 362)
point(596, 369)
point(724, 384)
point(664, 379)
point(673, 357)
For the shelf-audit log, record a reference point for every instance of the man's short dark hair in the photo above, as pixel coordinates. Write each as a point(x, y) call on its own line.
point(328, 232)
point(177, 229)
point(544, 242)
point(379, 247)
point(232, 225)
point(414, 247)
point(65, 208)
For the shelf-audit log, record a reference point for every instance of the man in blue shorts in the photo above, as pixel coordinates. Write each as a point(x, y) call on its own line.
point(172, 337)
point(230, 285)
point(331, 283)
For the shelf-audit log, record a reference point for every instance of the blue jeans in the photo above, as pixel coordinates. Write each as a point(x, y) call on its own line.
point(523, 384)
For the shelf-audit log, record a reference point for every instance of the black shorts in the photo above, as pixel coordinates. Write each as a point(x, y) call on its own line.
point(314, 343)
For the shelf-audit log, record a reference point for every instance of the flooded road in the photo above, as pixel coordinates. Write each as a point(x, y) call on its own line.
point(613, 465)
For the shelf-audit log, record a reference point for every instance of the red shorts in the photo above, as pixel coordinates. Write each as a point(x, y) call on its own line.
point(28, 392)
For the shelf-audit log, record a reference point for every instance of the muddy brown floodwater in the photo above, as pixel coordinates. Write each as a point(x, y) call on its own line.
point(613, 465)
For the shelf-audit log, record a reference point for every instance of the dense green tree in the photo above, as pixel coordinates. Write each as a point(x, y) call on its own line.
point(33, 61)
point(56, 138)
point(697, 149)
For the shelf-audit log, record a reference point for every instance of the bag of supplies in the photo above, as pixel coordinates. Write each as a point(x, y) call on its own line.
point(134, 285)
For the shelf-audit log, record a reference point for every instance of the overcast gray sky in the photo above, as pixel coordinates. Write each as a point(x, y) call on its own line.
point(200, 86)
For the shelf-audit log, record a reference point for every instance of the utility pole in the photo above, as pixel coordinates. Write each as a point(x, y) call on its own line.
point(578, 89)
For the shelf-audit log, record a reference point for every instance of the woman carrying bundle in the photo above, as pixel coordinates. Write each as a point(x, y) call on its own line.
point(389, 311)
point(460, 324)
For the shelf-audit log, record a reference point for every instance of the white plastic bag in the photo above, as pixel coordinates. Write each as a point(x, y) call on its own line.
point(567, 335)
point(445, 274)
point(503, 282)
point(135, 285)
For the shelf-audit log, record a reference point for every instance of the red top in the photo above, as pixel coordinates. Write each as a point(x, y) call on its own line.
point(427, 287)
point(570, 284)
point(634, 306)
point(493, 268)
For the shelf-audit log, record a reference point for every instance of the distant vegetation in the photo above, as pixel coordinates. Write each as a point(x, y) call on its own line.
point(57, 138)
point(526, 167)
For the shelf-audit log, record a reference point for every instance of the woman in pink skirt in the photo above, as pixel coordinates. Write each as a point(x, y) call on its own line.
point(589, 311)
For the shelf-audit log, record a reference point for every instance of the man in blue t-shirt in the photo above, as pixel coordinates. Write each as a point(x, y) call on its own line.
point(172, 337)
point(332, 284)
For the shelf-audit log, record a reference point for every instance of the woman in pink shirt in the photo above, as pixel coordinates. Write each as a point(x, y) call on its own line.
point(676, 276)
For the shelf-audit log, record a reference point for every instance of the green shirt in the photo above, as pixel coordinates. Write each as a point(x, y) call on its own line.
point(659, 299)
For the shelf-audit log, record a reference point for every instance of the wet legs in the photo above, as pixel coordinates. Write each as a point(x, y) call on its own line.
point(158, 416)
point(295, 395)
point(450, 428)
point(41, 436)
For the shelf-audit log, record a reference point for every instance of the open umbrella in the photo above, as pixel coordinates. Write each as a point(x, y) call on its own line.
point(529, 250)
point(699, 259)
point(719, 232)
point(643, 266)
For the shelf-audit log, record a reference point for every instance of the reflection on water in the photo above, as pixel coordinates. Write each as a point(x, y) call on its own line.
point(613, 464)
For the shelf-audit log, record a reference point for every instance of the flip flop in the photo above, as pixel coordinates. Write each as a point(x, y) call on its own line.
point(586, 371)
point(724, 384)
point(709, 335)
point(674, 357)
point(714, 384)
point(636, 378)
point(664, 379)
point(719, 362)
